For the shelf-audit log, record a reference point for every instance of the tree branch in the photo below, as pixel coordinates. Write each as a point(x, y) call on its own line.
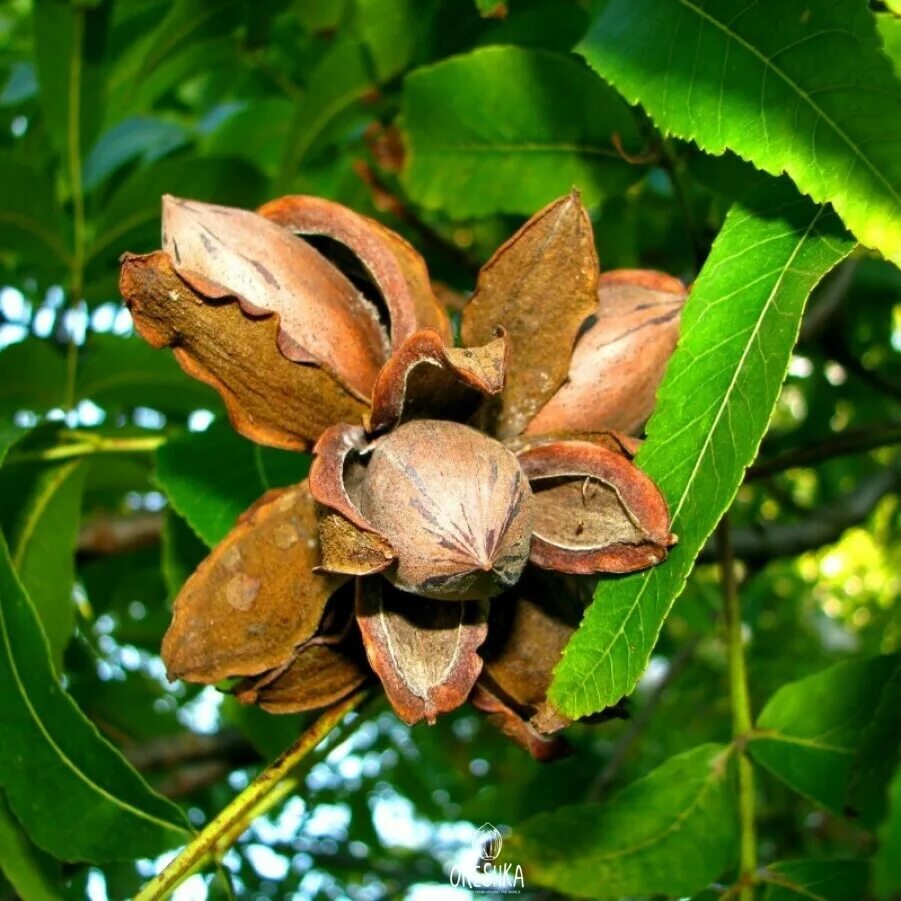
point(824, 525)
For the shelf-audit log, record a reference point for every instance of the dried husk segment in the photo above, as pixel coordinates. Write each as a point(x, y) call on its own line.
point(594, 510)
point(269, 399)
point(323, 319)
point(256, 598)
point(424, 652)
point(540, 286)
point(396, 268)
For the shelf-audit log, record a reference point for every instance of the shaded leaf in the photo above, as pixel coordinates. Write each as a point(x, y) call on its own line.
point(808, 732)
point(887, 873)
point(33, 874)
point(212, 477)
point(672, 833)
point(40, 517)
point(70, 51)
point(73, 792)
point(816, 880)
point(739, 325)
point(804, 90)
point(475, 123)
point(31, 222)
point(124, 373)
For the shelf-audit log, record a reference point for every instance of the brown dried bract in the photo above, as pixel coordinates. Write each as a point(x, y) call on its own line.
point(423, 651)
point(620, 359)
point(527, 635)
point(396, 268)
point(540, 286)
point(255, 599)
point(350, 543)
point(320, 675)
point(425, 378)
point(542, 747)
point(269, 399)
point(594, 510)
point(323, 319)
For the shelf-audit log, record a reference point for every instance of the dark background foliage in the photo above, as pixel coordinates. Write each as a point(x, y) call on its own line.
point(450, 121)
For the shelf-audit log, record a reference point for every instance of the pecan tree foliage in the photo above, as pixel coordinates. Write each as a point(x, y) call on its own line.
point(462, 500)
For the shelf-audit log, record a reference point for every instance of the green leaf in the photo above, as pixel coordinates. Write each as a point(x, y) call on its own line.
point(182, 552)
point(40, 518)
point(32, 376)
point(9, 435)
point(131, 218)
point(507, 130)
point(816, 880)
point(738, 328)
point(33, 874)
point(123, 373)
point(877, 756)
point(887, 872)
point(72, 791)
point(803, 89)
point(672, 833)
point(31, 222)
point(212, 477)
point(808, 732)
point(394, 32)
point(69, 41)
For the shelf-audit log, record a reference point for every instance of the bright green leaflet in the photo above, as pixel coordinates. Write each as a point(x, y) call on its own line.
point(34, 875)
point(809, 731)
point(738, 329)
point(751, 77)
point(73, 792)
point(672, 832)
point(507, 130)
point(816, 880)
point(212, 477)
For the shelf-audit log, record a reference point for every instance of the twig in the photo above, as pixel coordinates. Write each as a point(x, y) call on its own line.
point(269, 787)
point(87, 448)
point(119, 533)
point(188, 747)
point(852, 442)
point(741, 712)
point(823, 525)
point(643, 717)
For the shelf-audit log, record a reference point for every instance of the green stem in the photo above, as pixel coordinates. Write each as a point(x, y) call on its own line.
point(741, 713)
point(272, 785)
point(76, 278)
point(88, 447)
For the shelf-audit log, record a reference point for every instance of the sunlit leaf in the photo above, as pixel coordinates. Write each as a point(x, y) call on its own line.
point(33, 874)
point(738, 328)
point(507, 130)
point(801, 88)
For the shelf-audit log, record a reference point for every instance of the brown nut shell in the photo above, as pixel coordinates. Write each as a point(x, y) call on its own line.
point(454, 505)
point(619, 360)
point(323, 319)
point(395, 266)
